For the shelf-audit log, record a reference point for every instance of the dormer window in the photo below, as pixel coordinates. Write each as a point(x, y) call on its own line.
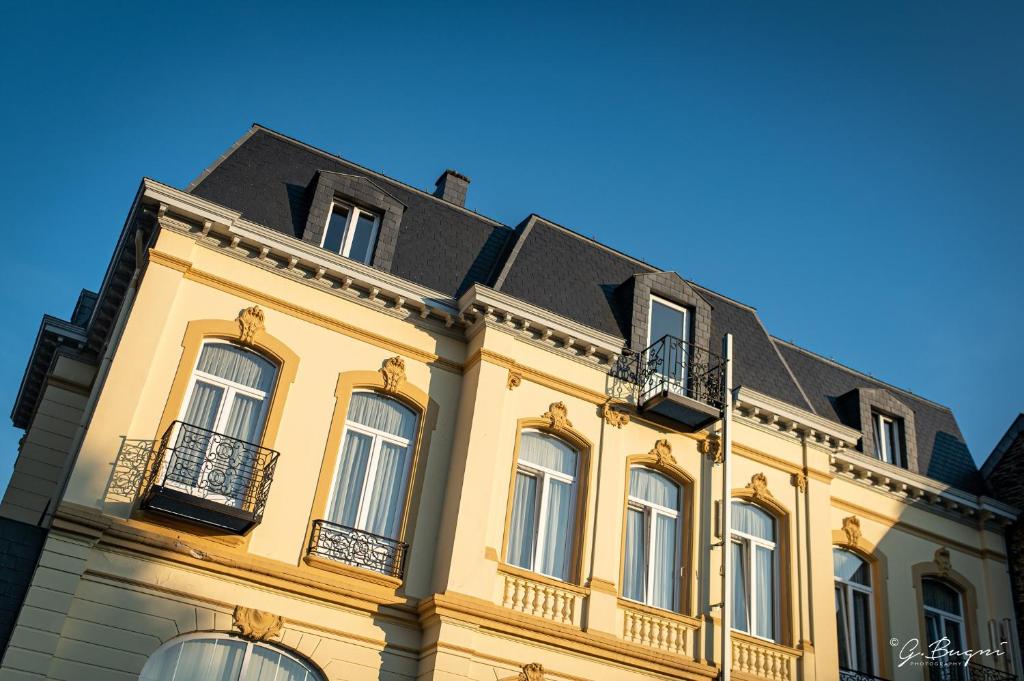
point(889, 440)
point(352, 232)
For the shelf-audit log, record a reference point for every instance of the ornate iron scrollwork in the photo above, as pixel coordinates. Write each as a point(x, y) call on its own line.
point(356, 547)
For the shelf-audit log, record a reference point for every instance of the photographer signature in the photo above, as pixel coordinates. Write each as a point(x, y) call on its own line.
point(937, 650)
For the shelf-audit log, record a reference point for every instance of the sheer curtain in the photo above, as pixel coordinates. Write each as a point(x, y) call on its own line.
point(740, 598)
point(559, 530)
point(764, 573)
point(214, 659)
point(236, 364)
point(348, 488)
point(385, 512)
point(547, 452)
point(635, 570)
point(654, 487)
point(523, 526)
point(190, 444)
point(751, 520)
point(382, 413)
point(666, 577)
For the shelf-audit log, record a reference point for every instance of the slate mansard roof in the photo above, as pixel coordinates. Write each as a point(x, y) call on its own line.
point(271, 178)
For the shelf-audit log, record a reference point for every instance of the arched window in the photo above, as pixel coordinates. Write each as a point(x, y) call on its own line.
point(221, 421)
point(754, 571)
point(855, 617)
point(372, 474)
point(652, 558)
point(943, 616)
point(213, 657)
point(541, 530)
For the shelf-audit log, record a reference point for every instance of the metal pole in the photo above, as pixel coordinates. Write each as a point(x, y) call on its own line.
point(726, 656)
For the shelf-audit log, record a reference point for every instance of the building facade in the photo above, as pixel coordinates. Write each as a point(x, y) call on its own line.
point(317, 424)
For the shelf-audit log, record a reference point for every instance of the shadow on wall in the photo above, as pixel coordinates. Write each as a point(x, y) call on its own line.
point(949, 460)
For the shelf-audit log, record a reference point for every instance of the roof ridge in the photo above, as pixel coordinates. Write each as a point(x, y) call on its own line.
point(857, 372)
point(388, 178)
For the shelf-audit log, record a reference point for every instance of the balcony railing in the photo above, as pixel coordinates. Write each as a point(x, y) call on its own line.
point(356, 547)
point(209, 478)
point(853, 675)
point(677, 379)
point(972, 671)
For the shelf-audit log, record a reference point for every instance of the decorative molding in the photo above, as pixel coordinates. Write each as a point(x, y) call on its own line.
point(662, 450)
point(614, 417)
point(533, 671)
point(393, 372)
point(250, 322)
point(851, 528)
point(943, 561)
point(783, 418)
point(515, 379)
point(557, 416)
point(256, 625)
point(711, 446)
point(759, 487)
point(800, 482)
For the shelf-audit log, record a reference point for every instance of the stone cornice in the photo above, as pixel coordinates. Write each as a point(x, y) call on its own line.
point(789, 419)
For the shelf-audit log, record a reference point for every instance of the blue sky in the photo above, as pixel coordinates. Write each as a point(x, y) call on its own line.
point(854, 172)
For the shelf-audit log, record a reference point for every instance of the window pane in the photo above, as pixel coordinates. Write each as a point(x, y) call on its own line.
point(892, 434)
point(850, 568)
point(523, 526)
point(203, 405)
point(236, 365)
point(559, 530)
point(862, 625)
point(216, 659)
point(653, 487)
point(941, 597)
point(740, 597)
point(361, 248)
point(880, 441)
point(751, 520)
point(382, 413)
point(387, 496)
point(635, 570)
point(548, 452)
point(955, 634)
point(666, 574)
point(666, 321)
point(335, 235)
point(244, 422)
point(842, 617)
point(764, 573)
point(266, 664)
point(191, 444)
point(348, 488)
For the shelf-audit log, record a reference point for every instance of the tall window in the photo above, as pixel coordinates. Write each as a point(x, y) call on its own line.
point(671, 358)
point(214, 657)
point(352, 232)
point(854, 612)
point(373, 466)
point(754, 571)
point(542, 528)
point(888, 443)
point(227, 396)
point(944, 618)
point(652, 560)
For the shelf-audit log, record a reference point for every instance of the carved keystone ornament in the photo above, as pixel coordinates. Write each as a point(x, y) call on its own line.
point(393, 372)
point(557, 416)
point(759, 486)
point(943, 561)
point(851, 528)
point(532, 672)
point(250, 322)
point(712, 446)
point(662, 451)
point(256, 625)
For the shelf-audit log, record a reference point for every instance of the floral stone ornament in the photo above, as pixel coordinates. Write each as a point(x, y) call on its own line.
point(851, 528)
point(393, 372)
point(614, 417)
point(557, 416)
point(532, 672)
point(256, 625)
point(250, 322)
point(662, 452)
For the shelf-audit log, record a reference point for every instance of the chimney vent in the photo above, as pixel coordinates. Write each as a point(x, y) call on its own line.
point(452, 187)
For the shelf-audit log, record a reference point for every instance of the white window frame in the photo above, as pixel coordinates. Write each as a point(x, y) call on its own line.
point(544, 476)
point(231, 389)
point(378, 437)
point(944, 616)
point(894, 457)
point(846, 589)
point(750, 544)
point(312, 674)
point(353, 218)
point(684, 379)
point(651, 511)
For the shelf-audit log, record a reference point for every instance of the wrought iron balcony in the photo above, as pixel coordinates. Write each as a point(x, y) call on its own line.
point(356, 547)
point(676, 379)
point(853, 675)
point(972, 671)
point(209, 478)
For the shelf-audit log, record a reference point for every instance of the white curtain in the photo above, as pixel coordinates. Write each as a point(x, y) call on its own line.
point(348, 488)
point(864, 653)
point(751, 520)
point(559, 530)
point(635, 570)
point(524, 521)
point(266, 664)
point(386, 497)
point(842, 618)
point(740, 598)
point(203, 405)
point(850, 567)
point(654, 487)
point(941, 597)
point(190, 447)
point(238, 365)
point(666, 577)
point(764, 573)
point(548, 452)
point(382, 413)
point(214, 659)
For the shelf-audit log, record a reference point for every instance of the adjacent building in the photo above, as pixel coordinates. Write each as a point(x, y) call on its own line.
point(318, 424)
